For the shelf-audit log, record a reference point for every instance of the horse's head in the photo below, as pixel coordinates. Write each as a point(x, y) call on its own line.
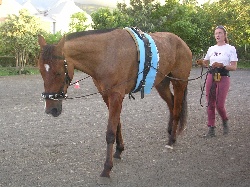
point(56, 75)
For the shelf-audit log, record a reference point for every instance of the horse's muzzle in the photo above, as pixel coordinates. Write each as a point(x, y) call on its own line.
point(55, 110)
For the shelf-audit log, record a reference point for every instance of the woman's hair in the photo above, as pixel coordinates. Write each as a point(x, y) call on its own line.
point(225, 32)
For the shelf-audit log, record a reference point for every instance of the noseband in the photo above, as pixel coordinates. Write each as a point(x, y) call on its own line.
point(61, 95)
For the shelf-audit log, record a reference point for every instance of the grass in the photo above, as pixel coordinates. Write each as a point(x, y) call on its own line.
point(8, 71)
point(244, 64)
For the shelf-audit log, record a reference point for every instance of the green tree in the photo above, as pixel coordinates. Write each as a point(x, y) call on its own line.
point(178, 19)
point(101, 19)
point(234, 15)
point(52, 38)
point(192, 22)
point(19, 34)
point(78, 22)
point(104, 18)
point(141, 14)
point(138, 14)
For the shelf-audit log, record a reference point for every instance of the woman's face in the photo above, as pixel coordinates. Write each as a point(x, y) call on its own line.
point(219, 35)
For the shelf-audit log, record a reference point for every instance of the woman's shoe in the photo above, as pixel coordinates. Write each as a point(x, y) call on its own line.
point(211, 133)
point(225, 127)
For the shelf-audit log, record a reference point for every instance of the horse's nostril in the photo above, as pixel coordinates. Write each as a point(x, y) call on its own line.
point(55, 112)
point(54, 108)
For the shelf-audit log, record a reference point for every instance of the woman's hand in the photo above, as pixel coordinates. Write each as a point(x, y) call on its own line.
point(202, 62)
point(199, 62)
point(217, 65)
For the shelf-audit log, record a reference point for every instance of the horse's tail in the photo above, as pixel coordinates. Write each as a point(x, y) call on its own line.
point(183, 114)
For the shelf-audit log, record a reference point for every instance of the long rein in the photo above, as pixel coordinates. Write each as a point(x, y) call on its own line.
point(124, 82)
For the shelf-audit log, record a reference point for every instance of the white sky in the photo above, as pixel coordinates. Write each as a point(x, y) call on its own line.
point(110, 3)
point(113, 3)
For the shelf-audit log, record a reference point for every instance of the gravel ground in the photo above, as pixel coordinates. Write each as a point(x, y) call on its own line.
point(39, 150)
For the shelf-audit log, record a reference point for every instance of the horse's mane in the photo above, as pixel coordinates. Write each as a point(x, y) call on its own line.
point(85, 33)
point(47, 52)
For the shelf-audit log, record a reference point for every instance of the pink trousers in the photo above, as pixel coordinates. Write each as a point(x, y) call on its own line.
point(216, 93)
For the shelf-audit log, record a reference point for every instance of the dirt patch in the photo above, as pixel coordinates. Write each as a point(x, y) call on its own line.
point(39, 150)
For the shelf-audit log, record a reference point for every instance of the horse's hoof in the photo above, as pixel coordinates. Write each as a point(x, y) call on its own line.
point(169, 147)
point(117, 155)
point(169, 132)
point(105, 173)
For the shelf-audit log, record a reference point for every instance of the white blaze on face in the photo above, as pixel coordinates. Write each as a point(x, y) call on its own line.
point(46, 67)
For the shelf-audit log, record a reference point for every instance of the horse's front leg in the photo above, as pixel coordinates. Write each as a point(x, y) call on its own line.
point(119, 139)
point(178, 111)
point(115, 106)
point(119, 142)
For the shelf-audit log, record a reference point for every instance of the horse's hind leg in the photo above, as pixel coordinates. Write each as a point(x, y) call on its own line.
point(164, 91)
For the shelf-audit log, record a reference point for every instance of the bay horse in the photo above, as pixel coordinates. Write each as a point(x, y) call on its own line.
point(110, 57)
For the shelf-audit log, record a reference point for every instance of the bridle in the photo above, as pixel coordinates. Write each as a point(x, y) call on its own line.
point(67, 80)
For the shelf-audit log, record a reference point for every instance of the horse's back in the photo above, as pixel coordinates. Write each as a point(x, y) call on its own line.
point(175, 55)
point(114, 54)
point(166, 41)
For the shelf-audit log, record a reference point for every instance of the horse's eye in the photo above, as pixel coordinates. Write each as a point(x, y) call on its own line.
point(58, 74)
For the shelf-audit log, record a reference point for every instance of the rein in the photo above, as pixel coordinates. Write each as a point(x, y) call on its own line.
point(213, 87)
point(67, 80)
point(204, 84)
point(184, 80)
point(78, 81)
point(124, 82)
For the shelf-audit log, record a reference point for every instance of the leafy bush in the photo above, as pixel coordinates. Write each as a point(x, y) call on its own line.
point(7, 61)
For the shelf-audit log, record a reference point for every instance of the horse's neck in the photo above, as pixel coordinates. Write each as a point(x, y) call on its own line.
point(86, 55)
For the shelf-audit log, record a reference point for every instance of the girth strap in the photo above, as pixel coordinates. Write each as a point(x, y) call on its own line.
point(147, 61)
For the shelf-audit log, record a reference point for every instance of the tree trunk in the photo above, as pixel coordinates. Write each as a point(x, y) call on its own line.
point(16, 59)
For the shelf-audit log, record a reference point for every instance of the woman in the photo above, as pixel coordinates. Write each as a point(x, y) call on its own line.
point(221, 58)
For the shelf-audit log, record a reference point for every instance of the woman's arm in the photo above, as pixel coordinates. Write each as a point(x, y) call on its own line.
point(232, 66)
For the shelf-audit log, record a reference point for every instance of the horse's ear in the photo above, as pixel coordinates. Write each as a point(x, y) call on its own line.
point(61, 43)
point(41, 41)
